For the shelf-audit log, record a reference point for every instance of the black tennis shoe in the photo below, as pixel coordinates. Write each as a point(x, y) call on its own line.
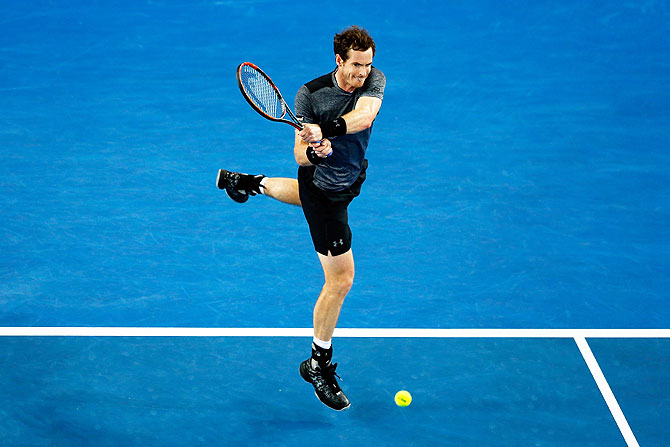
point(325, 385)
point(239, 186)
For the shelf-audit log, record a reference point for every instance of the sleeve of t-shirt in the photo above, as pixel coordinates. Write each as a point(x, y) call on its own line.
point(374, 84)
point(303, 106)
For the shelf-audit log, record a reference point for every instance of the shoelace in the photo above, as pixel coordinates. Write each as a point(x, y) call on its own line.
point(327, 377)
point(245, 188)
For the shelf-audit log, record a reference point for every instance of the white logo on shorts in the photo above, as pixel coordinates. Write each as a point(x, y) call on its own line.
point(336, 243)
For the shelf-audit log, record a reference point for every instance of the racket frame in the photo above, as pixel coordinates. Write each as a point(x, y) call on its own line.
point(286, 110)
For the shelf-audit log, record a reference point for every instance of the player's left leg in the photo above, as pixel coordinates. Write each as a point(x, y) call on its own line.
point(318, 369)
point(339, 277)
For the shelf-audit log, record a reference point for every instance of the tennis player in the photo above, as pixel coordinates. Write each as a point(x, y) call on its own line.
point(337, 110)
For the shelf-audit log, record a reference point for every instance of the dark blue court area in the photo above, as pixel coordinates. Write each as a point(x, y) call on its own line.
point(519, 178)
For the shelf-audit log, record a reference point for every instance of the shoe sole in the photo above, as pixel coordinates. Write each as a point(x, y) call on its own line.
point(218, 179)
point(341, 409)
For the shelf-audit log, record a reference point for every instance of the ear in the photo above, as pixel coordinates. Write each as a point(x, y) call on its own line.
point(338, 60)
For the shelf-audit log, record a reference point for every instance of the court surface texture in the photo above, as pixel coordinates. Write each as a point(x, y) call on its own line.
point(511, 241)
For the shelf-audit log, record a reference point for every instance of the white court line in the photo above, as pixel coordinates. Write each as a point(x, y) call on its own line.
point(579, 335)
point(607, 393)
point(339, 332)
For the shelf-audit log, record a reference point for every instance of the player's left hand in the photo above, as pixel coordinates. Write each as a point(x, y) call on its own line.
point(310, 133)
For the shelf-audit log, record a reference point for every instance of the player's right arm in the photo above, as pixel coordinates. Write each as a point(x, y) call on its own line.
point(300, 150)
point(322, 150)
point(304, 112)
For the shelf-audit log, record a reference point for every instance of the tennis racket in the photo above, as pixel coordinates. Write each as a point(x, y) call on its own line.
point(263, 95)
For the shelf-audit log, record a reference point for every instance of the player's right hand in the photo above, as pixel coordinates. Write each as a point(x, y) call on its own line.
point(322, 148)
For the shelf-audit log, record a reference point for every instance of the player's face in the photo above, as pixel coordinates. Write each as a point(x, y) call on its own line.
point(355, 70)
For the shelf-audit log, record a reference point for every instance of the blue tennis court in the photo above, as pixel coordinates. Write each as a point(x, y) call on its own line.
point(519, 178)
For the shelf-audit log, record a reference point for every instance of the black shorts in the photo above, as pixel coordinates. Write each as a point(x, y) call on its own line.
point(326, 211)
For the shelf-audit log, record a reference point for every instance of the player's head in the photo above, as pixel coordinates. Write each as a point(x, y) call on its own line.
point(352, 38)
point(354, 50)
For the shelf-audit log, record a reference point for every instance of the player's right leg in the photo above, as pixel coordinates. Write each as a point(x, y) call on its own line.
point(282, 189)
point(240, 186)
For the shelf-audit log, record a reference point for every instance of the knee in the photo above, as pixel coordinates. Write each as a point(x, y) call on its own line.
point(341, 283)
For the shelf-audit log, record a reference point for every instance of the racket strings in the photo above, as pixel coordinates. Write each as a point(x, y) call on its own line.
point(261, 92)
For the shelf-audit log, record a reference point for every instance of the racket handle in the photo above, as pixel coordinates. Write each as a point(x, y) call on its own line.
point(313, 158)
point(319, 142)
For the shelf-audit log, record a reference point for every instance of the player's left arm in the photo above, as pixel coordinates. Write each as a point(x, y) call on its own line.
point(361, 118)
point(363, 115)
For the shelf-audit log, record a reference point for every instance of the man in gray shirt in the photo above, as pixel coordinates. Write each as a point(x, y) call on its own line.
point(338, 110)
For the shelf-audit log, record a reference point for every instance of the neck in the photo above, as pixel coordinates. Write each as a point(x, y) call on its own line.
point(341, 82)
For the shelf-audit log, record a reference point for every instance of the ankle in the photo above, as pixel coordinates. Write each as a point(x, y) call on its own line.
point(261, 185)
point(323, 344)
point(255, 183)
point(321, 357)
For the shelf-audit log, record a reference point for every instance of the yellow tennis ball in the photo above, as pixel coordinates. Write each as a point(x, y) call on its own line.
point(403, 398)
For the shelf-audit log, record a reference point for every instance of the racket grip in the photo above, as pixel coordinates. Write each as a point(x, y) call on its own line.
point(313, 158)
point(319, 142)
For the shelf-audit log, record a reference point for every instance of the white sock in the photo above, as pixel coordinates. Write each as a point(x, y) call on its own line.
point(322, 344)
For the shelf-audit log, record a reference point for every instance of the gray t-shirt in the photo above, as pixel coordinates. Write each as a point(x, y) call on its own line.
point(323, 100)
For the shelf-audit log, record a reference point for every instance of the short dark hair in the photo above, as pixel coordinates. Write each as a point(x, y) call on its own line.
point(352, 38)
